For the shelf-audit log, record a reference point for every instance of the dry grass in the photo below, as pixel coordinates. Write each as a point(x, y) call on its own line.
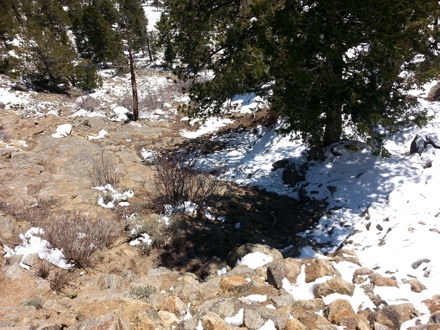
point(104, 171)
point(80, 237)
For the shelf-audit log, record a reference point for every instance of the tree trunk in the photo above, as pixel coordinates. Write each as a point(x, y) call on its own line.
point(333, 114)
point(149, 46)
point(333, 125)
point(133, 85)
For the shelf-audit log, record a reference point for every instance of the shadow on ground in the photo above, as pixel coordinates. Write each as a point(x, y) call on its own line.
point(252, 216)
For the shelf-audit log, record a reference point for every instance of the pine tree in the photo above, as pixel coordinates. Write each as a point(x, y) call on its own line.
point(95, 36)
point(322, 64)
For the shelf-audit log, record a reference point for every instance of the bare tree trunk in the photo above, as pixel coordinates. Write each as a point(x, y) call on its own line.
point(133, 84)
point(148, 46)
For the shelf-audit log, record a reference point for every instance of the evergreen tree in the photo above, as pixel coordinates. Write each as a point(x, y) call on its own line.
point(322, 64)
point(95, 36)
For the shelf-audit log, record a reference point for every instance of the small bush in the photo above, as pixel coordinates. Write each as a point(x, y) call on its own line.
point(79, 237)
point(35, 302)
point(142, 292)
point(177, 180)
point(88, 103)
point(59, 281)
point(43, 269)
point(104, 172)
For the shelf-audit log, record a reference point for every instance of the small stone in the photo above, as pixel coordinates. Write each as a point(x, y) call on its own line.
point(416, 264)
point(252, 319)
point(385, 281)
point(294, 324)
point(233, 283)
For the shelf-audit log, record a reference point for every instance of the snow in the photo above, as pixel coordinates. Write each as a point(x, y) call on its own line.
point(237, 319)
point(62, 131)
point(102, 133)
point(144, 238)
point(387, 207)
point(255, 259)
point(32, 243)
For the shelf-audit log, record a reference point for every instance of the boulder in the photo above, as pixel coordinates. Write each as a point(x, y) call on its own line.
point(338, 310)
point(252, 319)
point(316, 268)
point(334, 285)
point(434, 93)
point(314, 321)
point(394, 315)
point(433, 304)
point(287, 268)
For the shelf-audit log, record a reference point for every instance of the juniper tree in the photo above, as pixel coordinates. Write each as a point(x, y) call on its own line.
point(322, 64)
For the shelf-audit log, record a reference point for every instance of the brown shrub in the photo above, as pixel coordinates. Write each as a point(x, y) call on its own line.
point(177, 180)
point(104, 171)
point(79, 237)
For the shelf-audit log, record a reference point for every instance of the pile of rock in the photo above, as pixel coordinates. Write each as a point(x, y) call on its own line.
point(280, 293)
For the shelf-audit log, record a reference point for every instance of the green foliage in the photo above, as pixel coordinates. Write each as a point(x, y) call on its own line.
point(320, 63)
point(142, 292)
point(95, 36)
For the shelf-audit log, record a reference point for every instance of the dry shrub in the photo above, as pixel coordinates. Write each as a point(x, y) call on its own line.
point(43, 269)
point(34, 214)
point(88, 103)
point(177, 180)
point(60, 280)
point(104, 171)
point(79, 237)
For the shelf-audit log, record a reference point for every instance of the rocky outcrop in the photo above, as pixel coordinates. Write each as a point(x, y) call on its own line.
point(242, 297)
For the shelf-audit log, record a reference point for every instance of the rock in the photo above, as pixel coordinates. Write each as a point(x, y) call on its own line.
point(378, 326)
point(416, 285)
point(433, 304)
point(338, 310)
point(52, 327)
point(14, 271)
point(378, 280)
point(291, 176)
point(345, 255)
point(283, 163)
point(435, 318)
point(7, 224)
point(234, 284)
point(174, 305)
point(19, 86)
point(30, 259)
point(394, 315)
point(314, 321)
point(360, 275)
point(252, 319)
point(294, 324)
point(434, 93)
point(416, 264)
point(212, 321)
point(111, 321)
point(168, 318)
point(418, 144)
point(243, 250)
point(284, 299)
point(314, 305)
point(316, 268)
point(358, 322)
point(334, 285)
point(287, 268)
